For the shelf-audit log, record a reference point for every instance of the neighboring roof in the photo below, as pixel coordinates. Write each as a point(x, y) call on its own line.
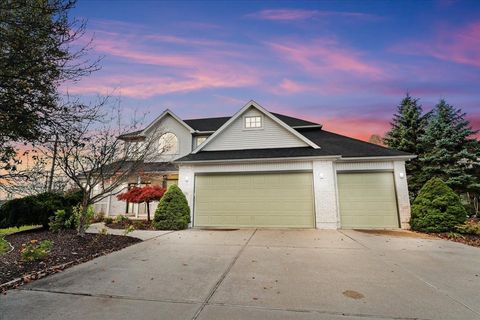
point(332, 144)
point(173, 115)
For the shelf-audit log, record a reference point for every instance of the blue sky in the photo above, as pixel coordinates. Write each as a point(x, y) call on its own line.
point(345, 64)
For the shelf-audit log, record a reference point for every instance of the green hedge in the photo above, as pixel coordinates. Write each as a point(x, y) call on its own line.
point(37, 209)
point(172, 212)
point(437, 208)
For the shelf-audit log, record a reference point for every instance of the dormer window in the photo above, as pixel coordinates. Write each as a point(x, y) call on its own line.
point(254, 122)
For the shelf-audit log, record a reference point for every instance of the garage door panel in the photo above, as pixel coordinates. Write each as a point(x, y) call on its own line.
point(367, 200)
point(254, 200)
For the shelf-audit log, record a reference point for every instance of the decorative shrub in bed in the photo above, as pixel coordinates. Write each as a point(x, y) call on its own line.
point(437, 208)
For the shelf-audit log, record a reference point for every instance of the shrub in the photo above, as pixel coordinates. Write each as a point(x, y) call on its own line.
point(62, 220)
point(437, 208)
point(469, 227)
point(172, 212)
point(35, 210)
point(4, 246)
point(108, 220)
point(121, 219)
point(129, 229)
point(77, 213)
point(34, 250)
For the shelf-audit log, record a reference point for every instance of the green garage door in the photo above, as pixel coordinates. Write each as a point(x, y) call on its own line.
point(254, 200)
point(367, 200)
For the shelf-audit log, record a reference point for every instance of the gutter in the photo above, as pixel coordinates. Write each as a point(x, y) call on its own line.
point(405, 157)
point(260, 159)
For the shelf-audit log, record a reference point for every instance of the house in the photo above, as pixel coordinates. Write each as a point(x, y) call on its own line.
point(264, 169)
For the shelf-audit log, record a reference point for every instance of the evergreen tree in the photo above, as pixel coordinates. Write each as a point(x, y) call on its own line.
point(407, 126)
point(450, 151)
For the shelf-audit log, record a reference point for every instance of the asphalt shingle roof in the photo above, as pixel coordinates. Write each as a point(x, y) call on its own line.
point(331, 144)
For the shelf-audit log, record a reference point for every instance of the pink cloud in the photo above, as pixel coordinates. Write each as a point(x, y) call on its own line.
point(326, 56)
point(301, 14)
point(141, 86)
point(123, 49)
point(461, 45)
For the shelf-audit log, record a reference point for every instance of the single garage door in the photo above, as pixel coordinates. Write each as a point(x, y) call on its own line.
point(367, 200)
point(254, 200)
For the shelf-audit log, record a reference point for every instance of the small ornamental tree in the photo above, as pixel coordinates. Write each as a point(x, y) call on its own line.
point(437, 208)
point(172, 212)
point(145, 194)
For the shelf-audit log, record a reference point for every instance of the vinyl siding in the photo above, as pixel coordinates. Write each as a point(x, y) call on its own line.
point(271, 135)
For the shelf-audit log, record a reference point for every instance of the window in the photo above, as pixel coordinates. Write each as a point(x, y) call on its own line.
point(253, 122)
point(168, 144)
point(201, 140)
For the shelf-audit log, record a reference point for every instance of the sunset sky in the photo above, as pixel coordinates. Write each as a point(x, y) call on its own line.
point(344, 64)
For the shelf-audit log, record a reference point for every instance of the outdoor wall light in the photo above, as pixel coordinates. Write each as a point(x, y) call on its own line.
point(186, 179)
point(321, 176)
point(402, 175)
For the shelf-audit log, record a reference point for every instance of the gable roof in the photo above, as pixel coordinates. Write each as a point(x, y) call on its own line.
point(253, 104)
point(160, 117)
point(332, 145)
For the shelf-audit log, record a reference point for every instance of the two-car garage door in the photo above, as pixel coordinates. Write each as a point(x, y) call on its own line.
point(254, 200)
point(285, 199)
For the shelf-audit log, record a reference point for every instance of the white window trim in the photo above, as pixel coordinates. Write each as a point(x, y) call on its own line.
point(252, 128)
point(176, 152)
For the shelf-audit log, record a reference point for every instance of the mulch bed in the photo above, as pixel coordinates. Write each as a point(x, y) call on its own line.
point(68, 250)
point(468, 239)
point(137, 224)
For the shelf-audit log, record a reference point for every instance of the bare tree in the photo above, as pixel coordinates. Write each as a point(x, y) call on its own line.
point(97, 161)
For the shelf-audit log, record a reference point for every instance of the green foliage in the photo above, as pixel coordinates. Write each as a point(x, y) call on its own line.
point(129, 229)
point(4, 245)
point(469, 227)
point(103, 231)
point(121, 219)
point(450, 150)
point(61, 221)
point(78, 212)
point(407, 127)
point(437, 208)
point(34, 210)
point(108, 220)
point(172, 212)
point(35, 250)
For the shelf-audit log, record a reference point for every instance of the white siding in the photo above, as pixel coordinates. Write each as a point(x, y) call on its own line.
point(170, 124)
point(271, 135)
point(403, 198)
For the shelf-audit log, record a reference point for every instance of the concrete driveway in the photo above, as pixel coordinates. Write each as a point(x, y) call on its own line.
point(263, 274)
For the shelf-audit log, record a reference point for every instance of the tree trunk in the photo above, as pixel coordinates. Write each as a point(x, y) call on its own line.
point(83, 217)
point(148, 211)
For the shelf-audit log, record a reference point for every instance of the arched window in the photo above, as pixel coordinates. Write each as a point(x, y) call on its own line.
point(168, 144)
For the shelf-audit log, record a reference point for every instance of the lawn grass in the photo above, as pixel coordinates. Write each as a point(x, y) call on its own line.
point(11, 230)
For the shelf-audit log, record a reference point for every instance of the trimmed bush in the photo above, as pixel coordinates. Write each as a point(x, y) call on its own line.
point(172, 212)
point(35, 210)
point(437, 208)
